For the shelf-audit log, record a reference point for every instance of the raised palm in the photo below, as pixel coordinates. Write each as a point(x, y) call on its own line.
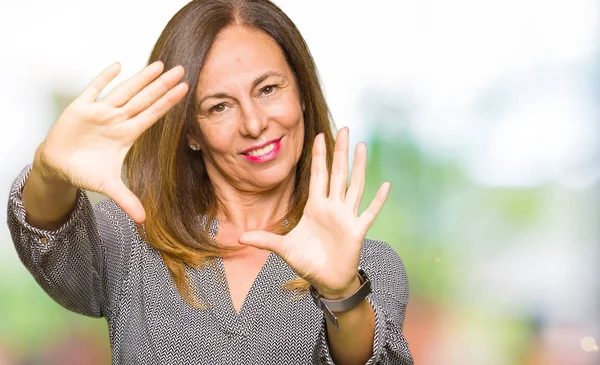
point(88, 143)
point(324, 247)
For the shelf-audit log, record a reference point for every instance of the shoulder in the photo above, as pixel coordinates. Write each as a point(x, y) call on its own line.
point(385, 268)
point(380, 253)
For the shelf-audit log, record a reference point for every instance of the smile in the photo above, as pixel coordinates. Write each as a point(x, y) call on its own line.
point(264, 153)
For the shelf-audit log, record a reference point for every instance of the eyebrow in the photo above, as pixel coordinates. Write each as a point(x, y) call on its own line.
point(255, 83)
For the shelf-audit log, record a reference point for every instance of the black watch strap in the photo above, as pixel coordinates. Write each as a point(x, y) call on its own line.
point(344, 304)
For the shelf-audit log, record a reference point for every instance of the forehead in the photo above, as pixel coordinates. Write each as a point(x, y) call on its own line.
point(239, 55)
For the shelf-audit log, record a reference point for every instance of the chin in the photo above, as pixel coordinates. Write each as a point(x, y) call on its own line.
point(271, 178)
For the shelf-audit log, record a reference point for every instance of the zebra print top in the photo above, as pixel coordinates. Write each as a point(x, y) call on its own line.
point(96, 264)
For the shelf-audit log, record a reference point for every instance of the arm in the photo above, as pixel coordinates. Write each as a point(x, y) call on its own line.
point(70, 262)
point(47, 200)
point(74, 251)
point(352, 342)
point(371, 332)
point(326, 248)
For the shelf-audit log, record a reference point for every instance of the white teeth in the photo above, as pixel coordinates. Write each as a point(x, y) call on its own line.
point(261, 151)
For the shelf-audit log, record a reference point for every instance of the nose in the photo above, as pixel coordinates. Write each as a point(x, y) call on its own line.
point(254, 119)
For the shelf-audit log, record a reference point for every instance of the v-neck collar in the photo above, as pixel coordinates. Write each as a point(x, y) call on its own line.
point(219, 296)
point(253, 306)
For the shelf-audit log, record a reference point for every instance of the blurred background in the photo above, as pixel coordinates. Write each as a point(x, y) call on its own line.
point(484, 115)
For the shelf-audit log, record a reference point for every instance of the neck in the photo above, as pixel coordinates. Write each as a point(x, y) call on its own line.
point(245, 211)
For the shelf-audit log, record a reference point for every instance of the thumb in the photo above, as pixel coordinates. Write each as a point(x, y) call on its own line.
point(263, 240)
point(126, 200)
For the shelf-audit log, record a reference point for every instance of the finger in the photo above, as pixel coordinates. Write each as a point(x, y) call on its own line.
point(157, 110)
point(263, 240)
point(126, 200)
point(357, 180)
point(318, 172)
point(127, 89)
point(94, 89)
point(339, 169)
point(151, 93)
point(368, 216)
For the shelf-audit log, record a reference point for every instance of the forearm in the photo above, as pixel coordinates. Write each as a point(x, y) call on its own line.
point(68, 262)
point(352, 342)
point(47, 201)
point(371, 332)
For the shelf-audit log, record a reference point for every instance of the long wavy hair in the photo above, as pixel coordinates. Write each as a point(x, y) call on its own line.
point(171, 180)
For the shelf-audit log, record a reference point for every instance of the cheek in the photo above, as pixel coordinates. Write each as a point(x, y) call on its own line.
point(300, 139)
point(218, 138)
point(296, 130)
point(286, 110)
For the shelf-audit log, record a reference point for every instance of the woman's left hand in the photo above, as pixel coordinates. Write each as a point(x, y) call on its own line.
point(324, 248)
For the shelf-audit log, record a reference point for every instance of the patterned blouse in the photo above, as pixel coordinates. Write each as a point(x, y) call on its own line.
point(96, 264)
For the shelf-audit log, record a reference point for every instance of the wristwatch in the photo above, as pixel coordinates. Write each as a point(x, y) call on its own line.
point(329, 306)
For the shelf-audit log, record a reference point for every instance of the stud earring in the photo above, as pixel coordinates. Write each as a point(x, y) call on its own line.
point(194, 147)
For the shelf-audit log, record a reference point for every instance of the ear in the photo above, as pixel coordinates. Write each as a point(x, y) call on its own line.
point(193, 143)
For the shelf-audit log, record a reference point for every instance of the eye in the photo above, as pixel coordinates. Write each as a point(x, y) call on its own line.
point(219, 108)
point(268, 90)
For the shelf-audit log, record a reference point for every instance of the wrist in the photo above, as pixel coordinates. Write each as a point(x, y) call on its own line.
point(331, 307)
point(342, 293)
point(43, 172)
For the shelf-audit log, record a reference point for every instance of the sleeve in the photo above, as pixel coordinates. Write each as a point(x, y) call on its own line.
point(389, 299)
point(79, 265)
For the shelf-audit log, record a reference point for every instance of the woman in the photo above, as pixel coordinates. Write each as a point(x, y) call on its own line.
point(249, 251)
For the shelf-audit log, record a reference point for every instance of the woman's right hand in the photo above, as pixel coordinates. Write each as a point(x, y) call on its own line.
point(87, 145)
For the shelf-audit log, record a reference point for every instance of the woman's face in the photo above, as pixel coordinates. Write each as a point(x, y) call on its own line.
point(249, 112)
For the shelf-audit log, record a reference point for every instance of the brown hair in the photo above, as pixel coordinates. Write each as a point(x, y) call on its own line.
point(170, 179)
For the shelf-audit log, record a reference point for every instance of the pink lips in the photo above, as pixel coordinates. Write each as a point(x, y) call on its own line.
point(267, 156)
